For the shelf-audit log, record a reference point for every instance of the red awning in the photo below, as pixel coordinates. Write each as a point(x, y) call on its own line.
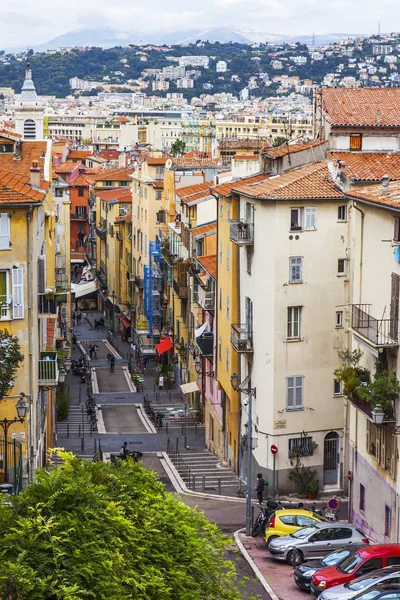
point(164, 345)
point(124, 321)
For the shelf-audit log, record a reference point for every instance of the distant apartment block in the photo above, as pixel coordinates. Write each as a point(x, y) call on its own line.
point(382, 49)
point(160, 86)
point(82, 84)
point(184, 83)
point(221, 66)
point(194, 61)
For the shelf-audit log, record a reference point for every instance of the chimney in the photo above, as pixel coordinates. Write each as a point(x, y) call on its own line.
point(378, 116)
point(35, 174)
point(122, 160)
point(385, 185)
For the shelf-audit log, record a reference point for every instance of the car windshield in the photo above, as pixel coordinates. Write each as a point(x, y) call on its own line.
point(302, 533)
point(362, 582)
point(350, 564)
point(335, 558)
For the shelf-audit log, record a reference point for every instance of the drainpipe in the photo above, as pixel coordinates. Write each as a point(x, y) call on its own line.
point(30, 344)
point(361, 249)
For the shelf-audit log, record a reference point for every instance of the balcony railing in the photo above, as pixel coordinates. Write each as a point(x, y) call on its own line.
point(205, 343)
point(241, 338)
point(206, 299)
point(101, 234)
point(380, 332)
point(367, 407)
point(47, 305)
point(79, 217)
point(241, 233)
point(5, 307)
point(139, 282)
point(48, 369)
point(180, 290)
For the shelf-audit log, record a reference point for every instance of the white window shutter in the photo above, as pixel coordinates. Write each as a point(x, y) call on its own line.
point(18, 293)
point(4, 231)
point(290, 392)
point(310, 219)
point(299, 392)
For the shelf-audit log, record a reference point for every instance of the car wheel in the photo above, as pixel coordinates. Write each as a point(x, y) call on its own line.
point(294, 557)
point(273, 537)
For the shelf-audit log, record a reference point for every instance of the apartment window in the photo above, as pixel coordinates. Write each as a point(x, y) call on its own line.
point(337, 387)
point(355, 141)
point(145, 216)
point(396, 234)
point(81, 192)
point(220, 252)
point(295, 219)
point(294, 392)
point(227, 359)
point(342, 213)
point(249, 259)
point(220, 348)
point(342, 266)
point(302, 446)
point(4, 295)
point(339, 318)
point(296, 269)
point(80, 244)
point(220, 298)
point(5, 234)
point(58, 193)
point(228, 302)
point(388, 520)
point(160, 217)
point(158, 195)
point(228, 258)
point(362, 497)
point(221, 209)
point(293, 322)
point(310, 219)
point(81, 210)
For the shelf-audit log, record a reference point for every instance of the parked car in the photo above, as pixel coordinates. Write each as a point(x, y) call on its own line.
point(288, 521)
point(303, 573)
point(315, 541)
point(387, 575)
point(386, 591)
point(360, 563)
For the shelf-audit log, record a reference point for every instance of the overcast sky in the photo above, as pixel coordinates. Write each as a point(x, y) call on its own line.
point(27, 22)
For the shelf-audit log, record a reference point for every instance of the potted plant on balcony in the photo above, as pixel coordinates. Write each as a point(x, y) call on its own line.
point(61, 294)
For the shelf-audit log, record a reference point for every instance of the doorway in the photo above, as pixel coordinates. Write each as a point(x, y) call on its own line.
point(331, 458)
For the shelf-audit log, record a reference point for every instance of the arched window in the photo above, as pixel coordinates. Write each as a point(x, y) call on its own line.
point(29, 129)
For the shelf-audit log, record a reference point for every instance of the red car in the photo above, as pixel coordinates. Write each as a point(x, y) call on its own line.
point(362, 561)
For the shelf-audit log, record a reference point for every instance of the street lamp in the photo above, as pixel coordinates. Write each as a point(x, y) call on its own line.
point(22, 407)
point(61, 375)
point(251, 392)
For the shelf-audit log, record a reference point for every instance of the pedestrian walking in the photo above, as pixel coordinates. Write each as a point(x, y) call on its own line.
point(112, 363)
point(109, 355)
point(79, 317)
point(91, 350)
point(260, 487)
point(96, 351)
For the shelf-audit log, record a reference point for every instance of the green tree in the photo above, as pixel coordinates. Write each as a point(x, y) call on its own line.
point(278, 141)
point(178, 148)
point(93, 530)
point(10, 359)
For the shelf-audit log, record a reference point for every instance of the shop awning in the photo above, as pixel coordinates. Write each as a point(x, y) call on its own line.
point(124, 321)
point(83, 289)
point(164, 345)
point(189, 388)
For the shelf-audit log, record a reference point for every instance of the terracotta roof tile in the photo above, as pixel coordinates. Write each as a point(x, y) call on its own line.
point(376, 195)
point(66, 167)
point(120, 194)
point(196, 162)
point(16, 189)
point(312, 182)
point(224, 189)
point(292, 149)
point(78, 154)
point(108, 154)
point(205, 229)
point(154, 161)
point(82, 180)
point(369, 166)
point(362, 107)
point(209, 263)
point(246, 157)
point(115, 174)
point(189, 190)
point(30, 151)
point(12, 134)
point(126, 218)
point(158, 184)
point(248, 143)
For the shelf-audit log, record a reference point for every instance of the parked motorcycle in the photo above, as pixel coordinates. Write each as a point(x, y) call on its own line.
point(261, 523)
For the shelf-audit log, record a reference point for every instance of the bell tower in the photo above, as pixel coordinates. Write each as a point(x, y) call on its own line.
point(28, 110)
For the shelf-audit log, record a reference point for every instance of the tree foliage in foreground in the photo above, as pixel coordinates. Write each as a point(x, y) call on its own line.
point(10, 359)
point(97, 531)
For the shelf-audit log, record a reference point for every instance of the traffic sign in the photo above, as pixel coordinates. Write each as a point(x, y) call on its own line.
point(274, 449)
point(333, 503)
point(350, 476)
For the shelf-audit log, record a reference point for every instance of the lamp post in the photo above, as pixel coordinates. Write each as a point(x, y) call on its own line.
point(251, 392)
point(22, 407)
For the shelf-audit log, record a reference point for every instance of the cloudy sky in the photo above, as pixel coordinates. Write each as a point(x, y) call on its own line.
point(26, 23)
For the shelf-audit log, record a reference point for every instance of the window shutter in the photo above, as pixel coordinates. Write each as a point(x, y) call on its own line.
point(4, 231)
point(18, 293)
point(296, 268)
point(310, 219)
point(299, 392)
point(290, 392)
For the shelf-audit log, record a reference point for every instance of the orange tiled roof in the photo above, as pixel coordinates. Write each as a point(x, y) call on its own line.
point(158, 184)
point(224, 189)
point(82, 180)
point(246, 157)
point(121, 119)
point(156, 161)
point(78, 154)
point(9, 133)
point(15, 188)
point(120, 194)
point(209, 263)
point(375, 194)
point(189, 190)
point(367, 167)
point(362, 107)
point(291, 148)
point(66, 167)
point(248, 143)
point(115, 174)
point(30, 151)
point(126, 218)
point(109, 154)
point(197, 161)
point(205, 229)
point(305, 183)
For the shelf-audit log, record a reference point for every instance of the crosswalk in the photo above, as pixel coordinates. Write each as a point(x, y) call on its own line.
point(74, 425)
point(201, 471)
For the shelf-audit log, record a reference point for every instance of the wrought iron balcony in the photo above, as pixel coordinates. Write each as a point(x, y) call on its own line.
point(206, 299)
point(241, 339)
point(79, 217)
point(48, 369)
point(379, 332)
point(181, 290)
point(139, 282)
point(241, 233)
point(101, 234)
point(205, 343)
point(47, 304)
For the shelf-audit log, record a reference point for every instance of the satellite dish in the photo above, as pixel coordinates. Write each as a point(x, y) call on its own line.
point(168, 164)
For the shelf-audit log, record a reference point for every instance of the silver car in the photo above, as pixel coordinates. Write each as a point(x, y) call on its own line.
point(362, 584)
point(315, 542)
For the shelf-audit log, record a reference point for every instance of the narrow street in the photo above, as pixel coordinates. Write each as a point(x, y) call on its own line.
point(120, 407)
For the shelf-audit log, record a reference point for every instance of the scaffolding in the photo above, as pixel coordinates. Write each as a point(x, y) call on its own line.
point(153, 287)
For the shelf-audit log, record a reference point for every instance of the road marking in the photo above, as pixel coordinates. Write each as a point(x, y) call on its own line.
point(145, 420)
point(100, 421)
point(95, 383)
point(112, 350)
point(130, 383)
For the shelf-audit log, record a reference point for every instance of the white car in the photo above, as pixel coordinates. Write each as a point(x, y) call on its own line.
point(362, 584)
